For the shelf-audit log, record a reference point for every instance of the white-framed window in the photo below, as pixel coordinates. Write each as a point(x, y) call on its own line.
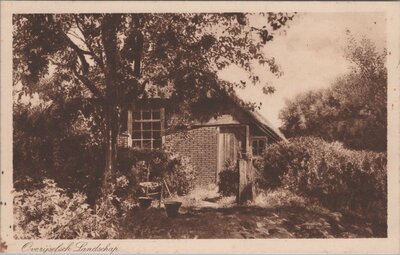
point(147, 128)
point(258, 145)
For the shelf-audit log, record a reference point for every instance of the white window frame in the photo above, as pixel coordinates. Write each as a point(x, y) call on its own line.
point(141, 121)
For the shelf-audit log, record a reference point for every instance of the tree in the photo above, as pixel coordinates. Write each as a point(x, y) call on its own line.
point(353, 110)
point(110, 59)
point(54, 140)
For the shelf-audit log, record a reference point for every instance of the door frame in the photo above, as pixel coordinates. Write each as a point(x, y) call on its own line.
point(246, 145)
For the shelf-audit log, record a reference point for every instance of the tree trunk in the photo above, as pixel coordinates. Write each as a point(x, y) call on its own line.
point(113, 80)
point(111, 149)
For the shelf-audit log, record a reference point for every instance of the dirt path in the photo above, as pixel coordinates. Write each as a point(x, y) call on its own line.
point(247, 222)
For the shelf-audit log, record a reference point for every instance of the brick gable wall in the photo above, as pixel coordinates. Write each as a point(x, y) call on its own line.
point(199, 145)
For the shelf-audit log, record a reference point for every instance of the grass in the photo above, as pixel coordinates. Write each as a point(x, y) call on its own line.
point(277, 198)
point(272, 214)
point(205, 197)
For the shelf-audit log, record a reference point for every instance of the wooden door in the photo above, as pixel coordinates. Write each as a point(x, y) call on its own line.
point(231, 142)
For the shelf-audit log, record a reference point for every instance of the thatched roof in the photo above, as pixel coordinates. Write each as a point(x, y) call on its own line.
point(261, 121)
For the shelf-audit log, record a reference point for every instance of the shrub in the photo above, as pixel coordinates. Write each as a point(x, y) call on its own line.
point(163, 165)
point(55, 142)
point(49, 213)
point(277, 159)
point(228, 183)
point(339, 178)
point(181, 177)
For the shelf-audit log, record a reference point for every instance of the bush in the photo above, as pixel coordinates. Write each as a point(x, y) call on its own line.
point(73, 164)
point(163, 165)
point(277, 159)
point(49, 213)
point(228, 183)
point(339, 178)
point(55, 142)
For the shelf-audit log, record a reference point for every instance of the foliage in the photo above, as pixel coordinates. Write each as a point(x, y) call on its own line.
point(52, 141)
point(49, 213)
point(179, 47)
point(107, 60)
point(353, 110)
point(228, 183)
point(339, 178)
point(182, 178)
point(161, 165)
point(276, 160)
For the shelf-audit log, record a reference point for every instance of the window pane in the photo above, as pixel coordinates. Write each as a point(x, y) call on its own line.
point(147, 135)
point(157, 144)
point(261, 144)
point(136, 115)
point(136, 126)
point(146, 115)
point(147, 144)
point(156, 114)
point(156, 135)
point(146, 125)
point(256, 147)
point(136, 144)
point(156, 126)
point(136, 135)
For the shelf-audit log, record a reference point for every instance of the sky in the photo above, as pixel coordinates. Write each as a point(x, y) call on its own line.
point(310, 54)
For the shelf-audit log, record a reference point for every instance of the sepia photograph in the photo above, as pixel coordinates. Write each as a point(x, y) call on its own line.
point(187, 124)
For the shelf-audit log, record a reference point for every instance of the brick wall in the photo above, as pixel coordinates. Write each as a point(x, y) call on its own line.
point(199, 145)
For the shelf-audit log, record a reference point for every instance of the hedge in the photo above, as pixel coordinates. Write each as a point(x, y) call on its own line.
point(338, 177)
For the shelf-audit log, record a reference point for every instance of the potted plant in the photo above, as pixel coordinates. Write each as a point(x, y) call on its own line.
point(172, 208)
point(145, 202)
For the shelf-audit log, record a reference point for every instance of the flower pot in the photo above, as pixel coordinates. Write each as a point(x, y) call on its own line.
point(145, 202)
point(172, 208)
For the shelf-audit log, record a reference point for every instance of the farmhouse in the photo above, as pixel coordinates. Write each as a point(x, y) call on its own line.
point(208, 143)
